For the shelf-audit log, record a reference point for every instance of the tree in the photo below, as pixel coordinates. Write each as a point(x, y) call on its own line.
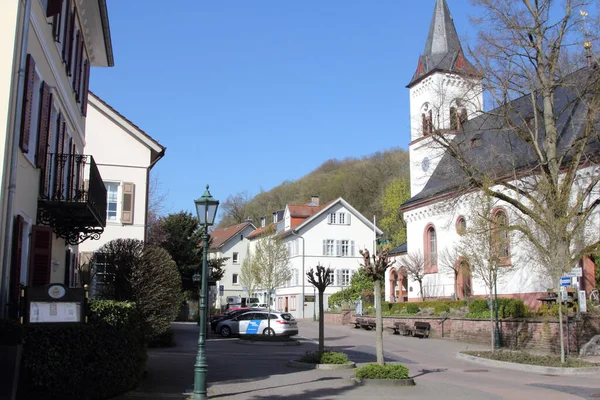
point(414, 264)
point(272, 265)
point(234, 209)
point(155, 232)
point(375, 269)
point(396, 193)
point(451, 261)
point(249, 273)
point(321, 281)
point(530, 56)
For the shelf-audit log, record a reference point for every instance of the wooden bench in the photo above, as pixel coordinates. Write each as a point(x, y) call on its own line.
point(419, 329)
point(365, 323)
point(399, 328)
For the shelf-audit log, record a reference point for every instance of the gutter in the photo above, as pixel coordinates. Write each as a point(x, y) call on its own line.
point(106, 30)
point(12, 180)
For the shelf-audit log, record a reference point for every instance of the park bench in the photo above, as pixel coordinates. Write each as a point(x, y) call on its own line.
point(419, 329)
point(365, 323)
point(399, 328)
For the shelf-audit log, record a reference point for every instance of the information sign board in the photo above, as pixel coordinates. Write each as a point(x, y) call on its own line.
point(221, 290)
point(54, 303)
point(565, 281)
point(576, 272)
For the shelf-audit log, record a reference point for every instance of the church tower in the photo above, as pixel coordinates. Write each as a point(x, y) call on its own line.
point(445, 91)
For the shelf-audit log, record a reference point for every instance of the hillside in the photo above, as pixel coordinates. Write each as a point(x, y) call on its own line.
point(360, 181)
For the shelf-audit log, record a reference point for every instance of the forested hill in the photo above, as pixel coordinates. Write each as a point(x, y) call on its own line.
point(362, 182)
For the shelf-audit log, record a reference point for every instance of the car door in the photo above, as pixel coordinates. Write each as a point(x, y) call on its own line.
point(244, 322)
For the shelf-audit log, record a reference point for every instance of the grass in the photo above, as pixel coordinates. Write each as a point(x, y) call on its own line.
point(531, 359)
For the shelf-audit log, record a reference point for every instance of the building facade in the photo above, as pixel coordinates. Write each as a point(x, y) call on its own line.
point(52, 196)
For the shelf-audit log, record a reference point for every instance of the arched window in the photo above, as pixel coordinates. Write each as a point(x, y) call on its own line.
point(461, 225)
point(430, 247)
point(458, 115)
point(426, 115)
point(501, 236)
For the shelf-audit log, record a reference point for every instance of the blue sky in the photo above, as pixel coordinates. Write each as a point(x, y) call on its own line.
point(248, 94)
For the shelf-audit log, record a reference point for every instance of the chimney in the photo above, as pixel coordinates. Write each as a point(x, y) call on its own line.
point(314, 200)
point(263, 221)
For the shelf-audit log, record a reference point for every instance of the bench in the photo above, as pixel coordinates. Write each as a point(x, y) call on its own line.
point(365, 323)
point(399, 328)
point(419, 329)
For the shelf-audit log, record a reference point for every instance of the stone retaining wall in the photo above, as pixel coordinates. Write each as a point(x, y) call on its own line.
point(540, 335)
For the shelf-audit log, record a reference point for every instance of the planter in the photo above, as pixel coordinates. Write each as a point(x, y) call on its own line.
point(304, 365)
point(385, 382)
point(10, 362)
point(528, 367)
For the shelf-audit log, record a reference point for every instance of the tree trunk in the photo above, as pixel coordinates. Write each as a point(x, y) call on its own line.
point(560, 328)
point(378, 324)
point(456, 285)
point(492, 319)
point(421, 289)
point(321, 323)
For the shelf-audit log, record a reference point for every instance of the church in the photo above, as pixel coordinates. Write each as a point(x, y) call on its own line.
point(447, 116)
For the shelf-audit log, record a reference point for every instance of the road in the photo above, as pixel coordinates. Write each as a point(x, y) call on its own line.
point(242, 371)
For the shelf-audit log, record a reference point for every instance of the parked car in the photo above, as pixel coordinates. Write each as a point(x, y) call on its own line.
point(259, 305)
point(232, 312)
point(257, 323)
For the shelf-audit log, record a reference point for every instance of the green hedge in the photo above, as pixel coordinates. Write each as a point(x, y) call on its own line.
point(438, 306)
point(507, 308)
point(97, 360)
point(387, 371)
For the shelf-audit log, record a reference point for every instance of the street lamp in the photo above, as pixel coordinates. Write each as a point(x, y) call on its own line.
point(206, 207)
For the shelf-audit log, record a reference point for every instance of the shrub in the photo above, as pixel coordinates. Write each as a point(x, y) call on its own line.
point(387, 371)
point(478, 306)
point(327, 357)
point(11, 332)
point(440, 308)
point(165, 339)
point(97, 360)
point(386, 306)
point(412, 308)
point(511, 308)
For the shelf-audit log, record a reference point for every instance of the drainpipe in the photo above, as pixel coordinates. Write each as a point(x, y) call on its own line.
point(296, 234)
point(12, 182)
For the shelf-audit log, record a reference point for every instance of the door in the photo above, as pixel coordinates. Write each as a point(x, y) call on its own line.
point(286, 304)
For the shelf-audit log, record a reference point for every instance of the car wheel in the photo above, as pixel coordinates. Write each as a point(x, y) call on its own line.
point(225, 331)
point(269, 331)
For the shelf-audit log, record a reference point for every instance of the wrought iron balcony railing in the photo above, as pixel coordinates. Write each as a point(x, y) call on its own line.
point(72, 197)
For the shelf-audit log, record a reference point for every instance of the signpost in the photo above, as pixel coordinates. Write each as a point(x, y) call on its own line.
point(565, 281)
point(576, 272)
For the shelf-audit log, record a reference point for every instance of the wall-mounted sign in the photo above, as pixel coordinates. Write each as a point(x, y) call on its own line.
point(309, 299)
point(54, 303)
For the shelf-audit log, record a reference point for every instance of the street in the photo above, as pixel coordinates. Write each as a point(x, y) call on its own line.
point(243, 371)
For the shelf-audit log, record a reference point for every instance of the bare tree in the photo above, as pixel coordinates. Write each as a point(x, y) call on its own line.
point(375, 267)
point(249, 275)
point(321, 280)
point(234, 209)
point(452, 262)
point(540, 138)
point(414, 264)
point(156, 233)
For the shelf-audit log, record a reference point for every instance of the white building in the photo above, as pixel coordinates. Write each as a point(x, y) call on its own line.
point(50, 200)
point(124, 155)
point(330, 235)
point(446, 95)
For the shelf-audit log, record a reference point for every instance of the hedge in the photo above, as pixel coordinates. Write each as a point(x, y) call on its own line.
point(507, 308)
point(97, 360)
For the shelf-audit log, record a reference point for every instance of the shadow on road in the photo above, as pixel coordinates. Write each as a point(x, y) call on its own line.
point(279, 387)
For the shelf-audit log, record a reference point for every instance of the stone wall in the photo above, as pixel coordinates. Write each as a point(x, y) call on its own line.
point(539, 335)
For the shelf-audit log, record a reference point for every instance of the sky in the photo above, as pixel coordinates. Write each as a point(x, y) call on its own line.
point(248, 94)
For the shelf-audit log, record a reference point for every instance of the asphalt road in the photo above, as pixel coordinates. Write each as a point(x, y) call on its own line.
point(242, 371)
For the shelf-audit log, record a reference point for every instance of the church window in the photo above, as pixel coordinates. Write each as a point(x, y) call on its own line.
point(501, 236)
point(461, 225)
point(430, 247)
point(426, 118)
point(458, 115)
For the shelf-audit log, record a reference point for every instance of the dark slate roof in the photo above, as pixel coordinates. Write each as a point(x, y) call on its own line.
point(443, 51)
point(402, 249)
point(489, 146)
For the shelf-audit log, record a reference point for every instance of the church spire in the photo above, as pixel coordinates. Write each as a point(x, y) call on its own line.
point(443, 51)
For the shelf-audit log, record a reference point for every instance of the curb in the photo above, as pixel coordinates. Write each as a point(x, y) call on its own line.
point(528, 367)
point(303, 365)
point(261, 343)
point(385, 382)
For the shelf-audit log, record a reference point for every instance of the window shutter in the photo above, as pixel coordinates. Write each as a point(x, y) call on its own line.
point(69, 43)
point(27, 103)
point(338, 277)
point(338, 248)
point(77, 64)
point(68, 268)
point(348, 215)
point(85, 87)
point(53, 8)
point(41, 255)
point(47, 172)
point(44, 127)
point(65, 34)
point(352, 248)
point(17, 253)
point(324, 247)
point(127, 210)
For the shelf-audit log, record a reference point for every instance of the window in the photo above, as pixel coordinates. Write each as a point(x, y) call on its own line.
point(292, 303)
point(458, 115)
point(332, 277)
point(234, 279)
point(501, 236)
point(345, 248)
point(461, 225)
point(339, 218)
point(328, 247)
point(112, 202)
point(345, 277)
point(332, 218)
point(426, 116)
point(235, 258)
point(430, 247)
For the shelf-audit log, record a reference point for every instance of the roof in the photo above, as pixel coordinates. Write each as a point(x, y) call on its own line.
point(489, 147)
point(106, 33)
point(220, 236)
point(303, 210)
point(402, 249)
point(157, 149)
point(443, 51)
point(257, 232)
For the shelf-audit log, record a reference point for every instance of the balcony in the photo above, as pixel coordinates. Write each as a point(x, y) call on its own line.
point(72, 197)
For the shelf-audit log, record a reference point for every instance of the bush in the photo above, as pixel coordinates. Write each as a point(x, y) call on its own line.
point(511, 308)
point(387, 371)
point(97, 360)
point(386, 306)
point(412, 308)
point(440, 308)
point(165, 339)
point(478, 306)
point(11, 332)
point(327, 357)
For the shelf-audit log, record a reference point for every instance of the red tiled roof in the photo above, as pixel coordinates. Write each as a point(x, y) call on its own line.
point(221, 235)
point(259, 231)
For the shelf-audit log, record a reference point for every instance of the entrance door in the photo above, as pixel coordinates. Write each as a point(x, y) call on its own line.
point(286, 303)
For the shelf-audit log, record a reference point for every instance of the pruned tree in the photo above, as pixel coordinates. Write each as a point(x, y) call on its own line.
point(374, 267)
point(451, 261)
point(414, 264)
point(321, 279)
point(536, 148)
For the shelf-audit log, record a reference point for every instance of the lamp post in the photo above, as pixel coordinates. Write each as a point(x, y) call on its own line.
point(206, 207)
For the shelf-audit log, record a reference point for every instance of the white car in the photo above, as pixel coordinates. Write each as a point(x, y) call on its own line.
point(259, 323)
point(259, 305)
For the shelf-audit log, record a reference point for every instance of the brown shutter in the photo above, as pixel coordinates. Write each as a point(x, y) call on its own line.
point(127, 210)
point(71, 171)
point(17, 253)
point(53, 8)
point(66, 46)
point(40, 260)
point(85, 86)
point(69, 43)
point(47, 168)
point(59, 158)
point(78, 61)
point(27, 104)
point(68, 267)
point(44, 126)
